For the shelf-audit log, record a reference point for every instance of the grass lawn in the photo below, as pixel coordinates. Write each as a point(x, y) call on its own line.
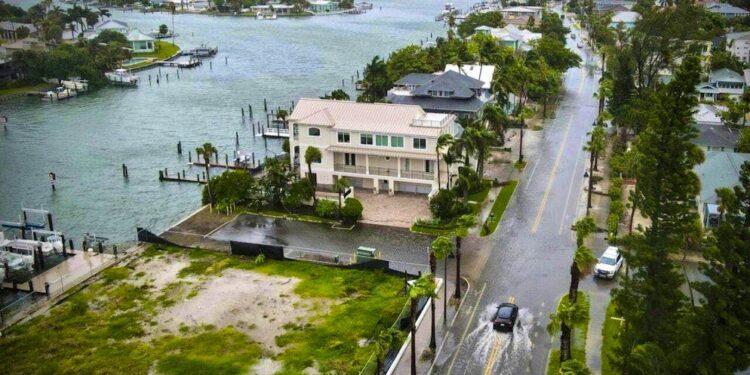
point(610, 334)
point(110, 326)
point(23, 89)
point(520, 165)
point(580, 333)
point(498, 208)
point(164, 50)
point(291, 216)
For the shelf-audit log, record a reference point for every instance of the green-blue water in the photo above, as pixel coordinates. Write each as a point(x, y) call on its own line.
point(85, 140)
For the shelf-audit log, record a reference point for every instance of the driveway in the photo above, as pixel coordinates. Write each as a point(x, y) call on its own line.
point(395, 244)
point(399, 210)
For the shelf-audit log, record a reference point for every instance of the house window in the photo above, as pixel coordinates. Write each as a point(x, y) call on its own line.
point(397, 141)
point(428, 166)
point(420, 144)
point(343, 137)
point(350, 159)
point(365, 139)
point(381, 140)
point(313, 132)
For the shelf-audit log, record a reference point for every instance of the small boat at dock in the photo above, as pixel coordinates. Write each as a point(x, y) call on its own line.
point(202, 51)
point(122, 77)
point(265, 16)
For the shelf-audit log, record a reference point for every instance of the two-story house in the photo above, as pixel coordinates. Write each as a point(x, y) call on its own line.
point(445, 92)
point(738, 45)
point(511, 36)
point(376, 146)
point(722, 83)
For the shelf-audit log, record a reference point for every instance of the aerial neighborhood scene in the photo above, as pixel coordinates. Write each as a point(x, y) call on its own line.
point(386, 187)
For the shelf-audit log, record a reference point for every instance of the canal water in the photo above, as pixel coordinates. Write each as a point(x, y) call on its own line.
point(85, 140)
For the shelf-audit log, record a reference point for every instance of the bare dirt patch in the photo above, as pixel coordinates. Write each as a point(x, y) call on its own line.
point(256, 304)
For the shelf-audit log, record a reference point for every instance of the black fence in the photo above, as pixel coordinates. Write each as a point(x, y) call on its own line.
point(254, 249)
point(145, 235)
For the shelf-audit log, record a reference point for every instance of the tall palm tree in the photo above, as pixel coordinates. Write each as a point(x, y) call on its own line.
point(423, 287)
point(441, 248)
point(594, 145)
point(605, 90)
point(464, 145)
point(312, 154)
point(480, 139)
point(495, 119)
point(444, 141)
point(387, 339)
point(583, 261)
point(450, 158)
point(465, 223)
point(340, 186)
point(583, 228)
point(206, 151)
point(567, 316)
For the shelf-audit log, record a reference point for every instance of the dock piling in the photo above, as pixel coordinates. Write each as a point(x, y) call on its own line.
point(237, 139)
point(226, 161)
point(204, 175)
point(242, 109)
point(250, 111)
point(70, 242)
point(124, 171)
point(226, 61)
point(178, 73)
point(179, 147)
point(253, 155)
point(265, 105)
point(167, 77)
point(149, 79)
point(190, 156)
point(342, 83)
point(166, 172)
point(254, 133)
point(211, 65)
point(216, 156)
point(183, 174)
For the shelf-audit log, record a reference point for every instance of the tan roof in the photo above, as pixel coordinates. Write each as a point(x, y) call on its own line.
point(366, 117)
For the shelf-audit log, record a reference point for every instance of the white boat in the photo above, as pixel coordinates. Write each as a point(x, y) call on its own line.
point(59, 93)
point(56, 242)
point(26, 247)
point(262, 16)
point(122, 77)
point(75, 84)
point(15, 262)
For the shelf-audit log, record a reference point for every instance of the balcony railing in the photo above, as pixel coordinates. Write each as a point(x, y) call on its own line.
point(349, 168)
point(417, 175)
point(393, 172)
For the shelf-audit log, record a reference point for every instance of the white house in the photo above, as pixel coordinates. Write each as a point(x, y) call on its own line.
point(110, 24)
point(627, 19)
point(511, 36)
point(521, 11)
point(376, 146)
point(726, 10)
point(140, 42)
point(721, 83)
point(718, 170)
point(738, 45)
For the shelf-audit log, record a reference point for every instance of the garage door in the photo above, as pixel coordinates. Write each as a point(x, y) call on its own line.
point(413, 188)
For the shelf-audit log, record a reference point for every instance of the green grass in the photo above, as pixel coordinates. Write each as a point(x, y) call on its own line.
point(23, 89)
point(610, 334)
point(520, 165)
point(291, 216)
point(481, 195)
point(434, 229)
point(101, 328)
point(498, 208)
point(580, 332)
point(164, 50)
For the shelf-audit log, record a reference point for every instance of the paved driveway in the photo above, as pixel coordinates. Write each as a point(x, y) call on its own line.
point(396, 244)
point(399, 210)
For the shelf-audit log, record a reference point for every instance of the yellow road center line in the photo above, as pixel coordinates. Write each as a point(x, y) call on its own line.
point(493, 355)
point(512, 299)
point(580, 86)
point(551, 178)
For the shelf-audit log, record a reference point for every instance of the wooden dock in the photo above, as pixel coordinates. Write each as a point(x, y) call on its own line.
point(274, 133)
point(181, 178)
point(181, 64)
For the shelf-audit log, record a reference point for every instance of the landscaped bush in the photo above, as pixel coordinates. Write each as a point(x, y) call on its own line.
point(352, 210)
point(615, 188)
point(326, 208)
point(445, 205)
point(231, 187)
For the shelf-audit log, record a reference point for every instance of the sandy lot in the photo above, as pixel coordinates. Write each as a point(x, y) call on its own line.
point(254, 303)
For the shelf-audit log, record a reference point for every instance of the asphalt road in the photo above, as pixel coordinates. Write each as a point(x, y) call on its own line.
point(531, 251)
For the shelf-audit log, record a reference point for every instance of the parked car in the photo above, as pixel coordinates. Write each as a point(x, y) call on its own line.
point(580, 45)
point(505, 317)
point(609, 263)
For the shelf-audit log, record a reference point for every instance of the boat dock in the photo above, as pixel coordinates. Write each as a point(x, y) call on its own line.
point(192, 63)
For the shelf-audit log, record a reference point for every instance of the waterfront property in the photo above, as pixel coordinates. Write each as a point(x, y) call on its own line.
point(445, 92)
point(602, 6)
point(323, 6)
point(376, 146)
point(511, 36)
point(278, 9)
point(140, 42)
point(521, 13)
point(726, 10)
point(719, 170)
point(722, 83)
point(627, 19)
point(738, 44)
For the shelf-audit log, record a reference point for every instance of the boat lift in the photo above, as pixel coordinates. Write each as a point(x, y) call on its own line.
point(44, 235)
point(89, 239)
point(25, 225)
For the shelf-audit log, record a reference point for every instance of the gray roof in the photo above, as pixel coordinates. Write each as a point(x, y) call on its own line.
point(721, 169)
point(415, 79)
point(725, 75)
point(716, 136)
point(461, 85)
point(737, 35)
point(725, 8)
point(443, 105)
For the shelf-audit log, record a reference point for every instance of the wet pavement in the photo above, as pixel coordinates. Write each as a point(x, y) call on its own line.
point(397, 244)
point(530, 253)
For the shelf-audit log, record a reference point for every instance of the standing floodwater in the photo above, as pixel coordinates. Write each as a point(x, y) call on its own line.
point(85, 141)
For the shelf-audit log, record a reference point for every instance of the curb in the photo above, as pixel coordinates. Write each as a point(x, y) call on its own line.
point(453, 321)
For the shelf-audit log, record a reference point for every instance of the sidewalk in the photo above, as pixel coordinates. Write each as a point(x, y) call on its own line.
point(403, 367)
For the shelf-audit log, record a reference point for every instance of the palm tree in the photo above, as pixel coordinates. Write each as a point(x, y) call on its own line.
point(495, 119)
point(387, 339)
point(441, 248)
point(465, 222)
point(584, 227)
point(568, 315)
point(464, 146)
point(480, 139)
point(606, 87)
point(574, 367)
point(104, 12)
point(312, 154)
point(445, 140)
point(340, 186)
point(583, 261)
point(206, 151)
point(450, 158)
point(594, 145)
point(423, 287)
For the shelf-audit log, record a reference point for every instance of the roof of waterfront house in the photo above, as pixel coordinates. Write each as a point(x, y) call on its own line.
point(136, 35)
point(709, 114)
point(471, 105)
point(716, 136)
point(724, 8)
point(725, 75)
point(460, 85)
point(374, 117)
point(12, 26)
point(521, 9)
point(415, 79)
point(720, 169)
point(626, 17)
point(110, 24)
point(483, 73)
point(738, 35)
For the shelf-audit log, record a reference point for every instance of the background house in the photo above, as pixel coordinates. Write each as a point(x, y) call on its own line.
point(722, 83)
point(511, 36)
point(322, 6)
point(719, 170)
point(726, 10)
point(445, 92)
point(738, 45)
point(627, 19)
point(9, 30)
point(140, 42)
